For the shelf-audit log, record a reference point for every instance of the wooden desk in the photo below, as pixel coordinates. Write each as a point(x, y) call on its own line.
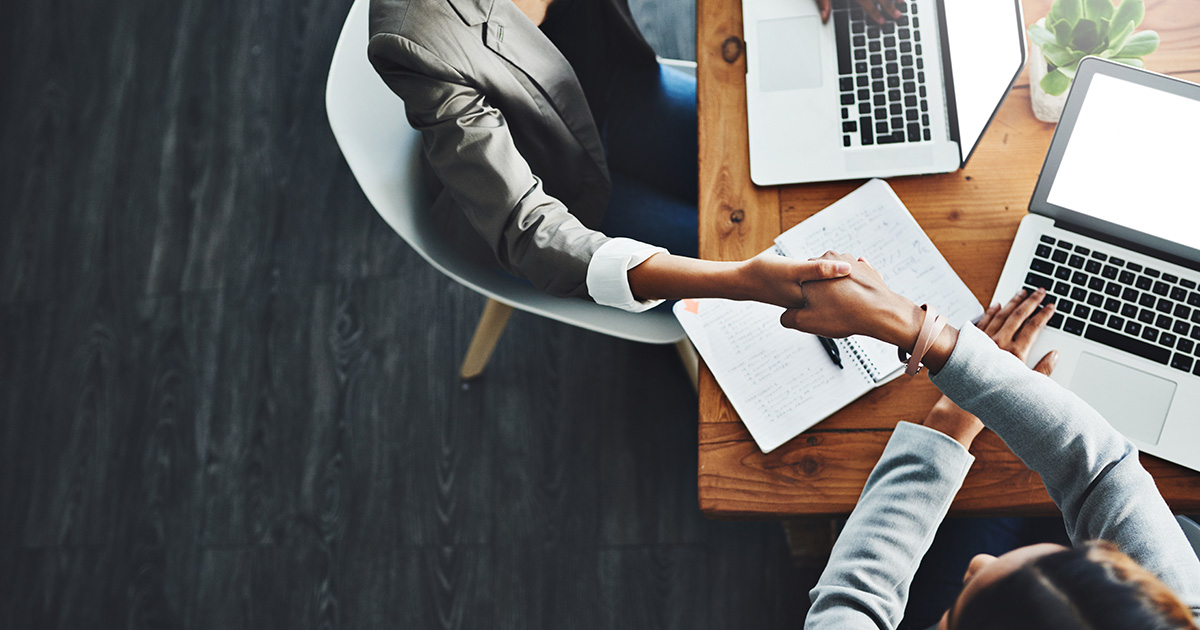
point(971, 215)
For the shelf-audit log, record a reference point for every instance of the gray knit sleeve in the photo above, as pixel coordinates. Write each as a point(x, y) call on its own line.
point(865, 585)
point(1090, 470)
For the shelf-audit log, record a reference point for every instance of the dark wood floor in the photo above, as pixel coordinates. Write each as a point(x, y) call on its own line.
point(227, 390)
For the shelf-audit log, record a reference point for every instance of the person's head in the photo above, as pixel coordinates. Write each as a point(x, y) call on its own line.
point(1039, 587)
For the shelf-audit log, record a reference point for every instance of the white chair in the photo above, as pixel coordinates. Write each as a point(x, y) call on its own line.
point(382, 150)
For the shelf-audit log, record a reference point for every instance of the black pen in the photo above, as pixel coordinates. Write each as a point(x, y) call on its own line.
point(832, 349)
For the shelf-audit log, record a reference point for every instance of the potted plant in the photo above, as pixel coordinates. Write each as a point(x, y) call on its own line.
point(1073, 30)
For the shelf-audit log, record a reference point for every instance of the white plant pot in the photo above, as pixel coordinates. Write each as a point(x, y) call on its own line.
point(1046, 108)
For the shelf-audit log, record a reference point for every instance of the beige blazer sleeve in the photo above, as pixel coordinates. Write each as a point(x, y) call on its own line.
point(472, 151)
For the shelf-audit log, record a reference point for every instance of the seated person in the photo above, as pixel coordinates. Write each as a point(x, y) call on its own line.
point(553, 128)
point(1130, 565)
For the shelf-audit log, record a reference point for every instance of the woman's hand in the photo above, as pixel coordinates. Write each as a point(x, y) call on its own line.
point(777, 280)
point(859, 304)
point(765, 278)
point(1014, 327)
point(950, 419)
point(875, 9)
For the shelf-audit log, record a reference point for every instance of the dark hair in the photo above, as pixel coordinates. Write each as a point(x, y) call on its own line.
point(1091, 587)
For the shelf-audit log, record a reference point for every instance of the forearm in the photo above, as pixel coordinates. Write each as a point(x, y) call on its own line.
point(1054, 432)
point(865, 584)
point(899, 324)
point(670, 277)
point(1090, 470)
point(766, 278)
point(949, 418)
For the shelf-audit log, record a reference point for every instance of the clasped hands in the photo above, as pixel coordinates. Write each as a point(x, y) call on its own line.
point(855, 301)
point(860, 303)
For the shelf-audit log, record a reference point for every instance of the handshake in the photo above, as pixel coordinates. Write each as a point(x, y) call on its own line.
point(860, 303)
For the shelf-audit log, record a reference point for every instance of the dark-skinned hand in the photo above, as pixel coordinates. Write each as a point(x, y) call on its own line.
point(877, 10)
point(1014, 327)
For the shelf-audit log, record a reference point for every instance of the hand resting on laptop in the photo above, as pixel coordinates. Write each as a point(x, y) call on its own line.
point(878, 10)
point(1014, 327)
point(1138, 566)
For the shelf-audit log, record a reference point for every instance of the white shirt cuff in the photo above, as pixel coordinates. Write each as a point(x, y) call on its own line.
point(608, 273)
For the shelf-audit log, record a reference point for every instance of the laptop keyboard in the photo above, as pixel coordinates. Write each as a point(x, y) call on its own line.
point(1118, 303)
point(881, 77)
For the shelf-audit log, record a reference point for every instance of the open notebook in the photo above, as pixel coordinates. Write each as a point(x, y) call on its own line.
point(781, 381)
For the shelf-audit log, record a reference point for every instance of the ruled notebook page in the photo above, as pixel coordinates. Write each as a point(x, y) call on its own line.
point(780, 381)
point(873, 223)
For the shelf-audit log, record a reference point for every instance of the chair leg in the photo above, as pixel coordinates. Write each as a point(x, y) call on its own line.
point(691, 360)
point(487, 333)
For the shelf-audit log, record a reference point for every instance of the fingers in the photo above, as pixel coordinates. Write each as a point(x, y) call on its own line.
point(805, 320)
point(872, 268)
point(1020, 313)
point(1033, 327)
point(988, 316)
point(825, 8)
point(872, 11)
point(1001, 316)
point(793, 318)
point(832, 255)
point(890, 8)
point(1047, 363)
point(822, 269)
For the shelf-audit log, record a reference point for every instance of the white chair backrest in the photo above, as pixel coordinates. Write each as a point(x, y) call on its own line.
point(382, 151)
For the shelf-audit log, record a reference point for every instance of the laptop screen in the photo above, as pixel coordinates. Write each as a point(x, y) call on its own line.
point(985, 40)
point(1132, 160)
point(1124, 160)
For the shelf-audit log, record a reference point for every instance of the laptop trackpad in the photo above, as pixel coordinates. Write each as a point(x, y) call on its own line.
point(1134, 402)
point(913, 155)
point(789, 54)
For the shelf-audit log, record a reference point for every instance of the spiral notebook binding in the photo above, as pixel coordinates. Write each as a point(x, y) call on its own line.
point(864, 362)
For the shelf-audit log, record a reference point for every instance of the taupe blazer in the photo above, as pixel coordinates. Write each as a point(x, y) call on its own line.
point(506, 128)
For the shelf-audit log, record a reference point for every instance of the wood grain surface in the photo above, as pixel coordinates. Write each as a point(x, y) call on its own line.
point(971, 215)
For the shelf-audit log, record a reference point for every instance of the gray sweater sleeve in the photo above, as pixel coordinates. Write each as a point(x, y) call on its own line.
point(1090, 470)
point(865, 585)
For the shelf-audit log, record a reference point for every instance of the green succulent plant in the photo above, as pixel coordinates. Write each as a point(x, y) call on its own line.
point(1075, 29)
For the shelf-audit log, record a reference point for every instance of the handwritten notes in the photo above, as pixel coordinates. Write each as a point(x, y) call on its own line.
point(780, 381)
point(873, 223)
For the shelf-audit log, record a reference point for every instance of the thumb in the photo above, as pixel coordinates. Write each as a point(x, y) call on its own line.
point(795, 318)
point(1047, 364)
point(822, 270)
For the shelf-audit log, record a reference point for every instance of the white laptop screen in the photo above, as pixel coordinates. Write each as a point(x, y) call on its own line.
point(1133, 159)
point(986, 39)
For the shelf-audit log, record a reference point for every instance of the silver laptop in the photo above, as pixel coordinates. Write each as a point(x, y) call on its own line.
point(851, 99)
point(1114, 235)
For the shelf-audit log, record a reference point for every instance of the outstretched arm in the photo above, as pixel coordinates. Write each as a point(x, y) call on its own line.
point(765, 278)
point(906, 497)
point(533, 234)
point(1091, 472)
point(865, 584)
